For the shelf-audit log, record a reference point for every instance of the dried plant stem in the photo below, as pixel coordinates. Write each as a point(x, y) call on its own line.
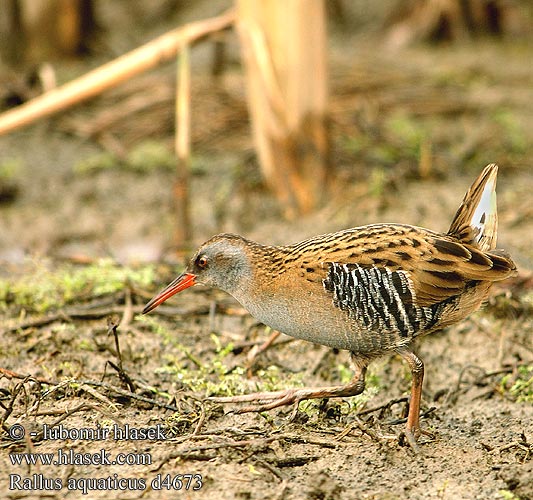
point(113, 73)
point(284, 54)
point(183, 231)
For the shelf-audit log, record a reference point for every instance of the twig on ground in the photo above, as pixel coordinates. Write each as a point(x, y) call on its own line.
point(129, 394)
point(100, 397)
point(424, 414)
point(201, 420)
point(358, 424)
point(68, 413)
point(39, 436)
point(257, 349)
point(67, 315)
point(274, 470)
point(87, 313)
point(292, 461)
point(57, 385)
point(308, 440)
point(186, 452)
point(383, 406)
point(11, 374)
point(112, 327)
point(9, 408)
point(522, 444)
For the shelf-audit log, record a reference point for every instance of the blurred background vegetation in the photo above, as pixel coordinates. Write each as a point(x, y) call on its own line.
point(290, 106)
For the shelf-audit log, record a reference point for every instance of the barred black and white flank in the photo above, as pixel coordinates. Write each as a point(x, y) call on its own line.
point(380, 299)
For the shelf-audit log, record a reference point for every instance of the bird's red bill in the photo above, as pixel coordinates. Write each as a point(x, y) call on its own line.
point(182, 282)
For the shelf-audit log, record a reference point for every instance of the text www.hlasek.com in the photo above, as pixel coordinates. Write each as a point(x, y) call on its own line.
point(70, 457)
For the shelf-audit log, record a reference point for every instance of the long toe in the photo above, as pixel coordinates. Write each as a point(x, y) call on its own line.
point(410, 437)
point(246, 398)
point(267, 400)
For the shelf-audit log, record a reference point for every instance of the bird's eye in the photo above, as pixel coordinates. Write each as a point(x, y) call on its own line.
point(201, 262)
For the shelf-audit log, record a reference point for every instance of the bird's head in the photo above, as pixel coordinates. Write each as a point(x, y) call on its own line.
point(222, 262)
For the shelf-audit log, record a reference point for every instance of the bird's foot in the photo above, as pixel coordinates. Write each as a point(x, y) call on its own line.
point(267, 400)
point(411, 436)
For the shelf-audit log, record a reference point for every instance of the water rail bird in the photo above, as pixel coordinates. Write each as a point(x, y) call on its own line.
point(370, 290)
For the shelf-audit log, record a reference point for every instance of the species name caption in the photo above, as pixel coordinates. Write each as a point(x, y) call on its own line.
point(102, 458)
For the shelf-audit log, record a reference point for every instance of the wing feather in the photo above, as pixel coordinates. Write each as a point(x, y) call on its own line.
point(439, 266)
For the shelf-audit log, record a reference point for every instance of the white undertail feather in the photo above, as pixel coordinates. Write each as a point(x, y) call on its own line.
point(476, 221)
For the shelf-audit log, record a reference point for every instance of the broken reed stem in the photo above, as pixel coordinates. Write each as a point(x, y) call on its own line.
point(113, 73)
point(183, 149)
point(284, 53)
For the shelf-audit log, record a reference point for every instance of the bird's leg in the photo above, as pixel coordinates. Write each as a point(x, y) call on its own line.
point(412, 430)
point(269, 400)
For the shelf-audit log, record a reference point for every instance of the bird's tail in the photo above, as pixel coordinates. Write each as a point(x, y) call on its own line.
point(476, 221)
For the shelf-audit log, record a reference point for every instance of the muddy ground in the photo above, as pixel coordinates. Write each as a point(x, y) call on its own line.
point(470, 105)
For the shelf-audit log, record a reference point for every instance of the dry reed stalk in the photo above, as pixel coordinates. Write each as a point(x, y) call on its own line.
point(113, 73)
point(183, 230)
point(284, 53)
